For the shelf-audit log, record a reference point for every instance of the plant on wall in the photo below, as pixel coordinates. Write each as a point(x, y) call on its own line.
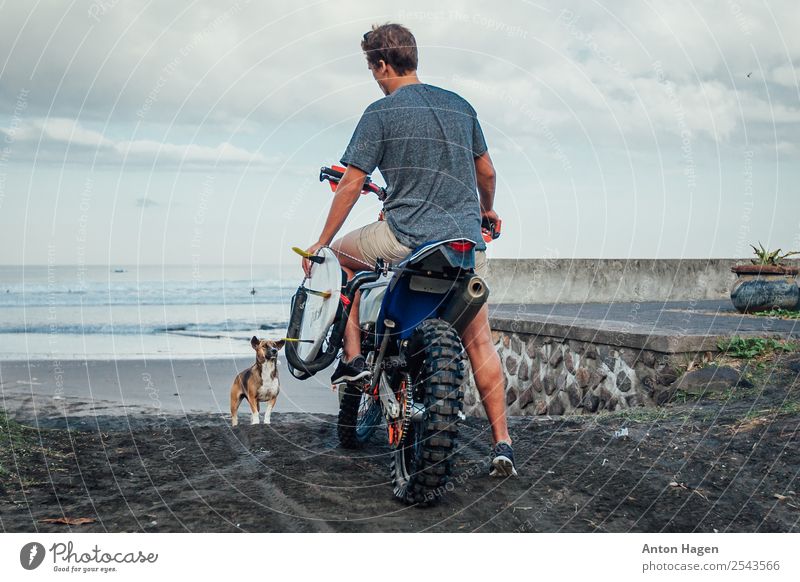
point(767, 284)
point(772, 258)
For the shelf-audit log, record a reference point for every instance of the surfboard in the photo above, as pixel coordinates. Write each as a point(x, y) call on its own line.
point(324, 292)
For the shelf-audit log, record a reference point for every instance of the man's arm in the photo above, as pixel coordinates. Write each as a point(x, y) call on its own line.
point(347, 193)
point(487, 181)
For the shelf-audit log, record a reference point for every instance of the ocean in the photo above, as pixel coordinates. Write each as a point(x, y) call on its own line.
point(132, 312)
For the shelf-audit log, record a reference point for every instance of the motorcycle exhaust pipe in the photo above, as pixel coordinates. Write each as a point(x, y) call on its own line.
point(466, 302)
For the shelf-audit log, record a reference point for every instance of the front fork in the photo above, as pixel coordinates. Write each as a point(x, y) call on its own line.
point(379, 381)
point(390, 405)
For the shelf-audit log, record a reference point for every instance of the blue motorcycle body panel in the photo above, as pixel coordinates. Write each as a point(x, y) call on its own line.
point(407, 307)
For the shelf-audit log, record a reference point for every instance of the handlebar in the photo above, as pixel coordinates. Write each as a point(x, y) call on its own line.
point(490, 230)
point(326, 173)
point(334, 175)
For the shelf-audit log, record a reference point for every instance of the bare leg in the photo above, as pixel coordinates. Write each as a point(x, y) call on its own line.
point(352, 333)
point(488, 373)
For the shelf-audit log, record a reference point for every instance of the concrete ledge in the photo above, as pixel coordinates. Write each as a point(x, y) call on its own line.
point(612, 334)
point(669, 328)
point(584, 358)
point(604, 280)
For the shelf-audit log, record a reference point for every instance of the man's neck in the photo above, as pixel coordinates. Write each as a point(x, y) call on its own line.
point(393, 84)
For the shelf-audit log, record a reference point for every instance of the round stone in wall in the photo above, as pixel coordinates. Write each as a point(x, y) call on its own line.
point(568, 363)
point(511, 365)
point(511, 397)
point(574, 394)
point(549, 385)
point(556, 407)
point(516, 344)
point(525, 398)
point(624, 382)
point(522, 372)
point(591, 403)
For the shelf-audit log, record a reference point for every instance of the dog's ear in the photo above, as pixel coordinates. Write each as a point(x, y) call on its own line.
point(254, 342)
point(279, 344)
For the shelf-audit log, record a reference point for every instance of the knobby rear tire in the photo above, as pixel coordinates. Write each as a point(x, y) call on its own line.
point(421, 469)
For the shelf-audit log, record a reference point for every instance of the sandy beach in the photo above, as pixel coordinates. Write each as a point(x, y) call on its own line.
point(108, 453)
point(154, 386)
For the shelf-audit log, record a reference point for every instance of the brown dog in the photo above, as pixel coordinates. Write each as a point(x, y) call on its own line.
point(259, 383)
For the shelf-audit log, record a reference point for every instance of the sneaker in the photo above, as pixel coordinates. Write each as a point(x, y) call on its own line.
point(350, 371)
point(503, 462)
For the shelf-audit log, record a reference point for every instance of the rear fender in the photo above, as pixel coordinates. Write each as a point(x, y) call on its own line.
point(435, 256)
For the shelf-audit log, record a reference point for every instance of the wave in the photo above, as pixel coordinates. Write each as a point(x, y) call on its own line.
point(194, 329)
point(150, 293)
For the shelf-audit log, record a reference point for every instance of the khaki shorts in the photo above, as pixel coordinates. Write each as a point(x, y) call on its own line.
point(377, 240)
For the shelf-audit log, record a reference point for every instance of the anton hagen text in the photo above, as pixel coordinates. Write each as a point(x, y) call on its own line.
point(685, 549)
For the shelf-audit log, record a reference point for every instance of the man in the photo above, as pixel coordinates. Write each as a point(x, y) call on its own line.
point(430, 148)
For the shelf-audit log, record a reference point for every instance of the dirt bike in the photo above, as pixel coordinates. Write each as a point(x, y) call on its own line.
point(411, 315)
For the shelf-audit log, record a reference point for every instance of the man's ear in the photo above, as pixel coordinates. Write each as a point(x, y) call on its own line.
point(279, 344)
point(254, 342)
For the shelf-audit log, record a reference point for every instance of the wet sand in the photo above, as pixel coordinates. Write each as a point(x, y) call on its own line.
point(708, 465)
point(153, 386)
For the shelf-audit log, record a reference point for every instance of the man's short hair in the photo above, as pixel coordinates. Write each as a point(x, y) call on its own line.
point(393, 44)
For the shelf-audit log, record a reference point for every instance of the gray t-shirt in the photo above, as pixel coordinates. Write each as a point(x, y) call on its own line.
point(424, 140)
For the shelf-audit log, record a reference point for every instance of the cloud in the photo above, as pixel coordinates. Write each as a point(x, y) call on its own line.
point(64, 131)
point(786, 75)
point(224, 153)
point(265, 62)
point(59, 139)
point(626, 71)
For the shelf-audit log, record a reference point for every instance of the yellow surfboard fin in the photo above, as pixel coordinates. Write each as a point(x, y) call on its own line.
point(309, 256)
point(323, 294)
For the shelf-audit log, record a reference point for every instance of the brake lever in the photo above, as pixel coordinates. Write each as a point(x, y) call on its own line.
point(490, 230)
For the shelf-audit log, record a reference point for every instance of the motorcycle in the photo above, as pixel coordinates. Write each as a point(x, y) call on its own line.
point(411, 316)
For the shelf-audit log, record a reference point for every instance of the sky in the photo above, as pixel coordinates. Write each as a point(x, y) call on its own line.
point(193, 132)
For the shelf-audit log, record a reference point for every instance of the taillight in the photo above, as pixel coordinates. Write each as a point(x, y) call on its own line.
point(461, 246)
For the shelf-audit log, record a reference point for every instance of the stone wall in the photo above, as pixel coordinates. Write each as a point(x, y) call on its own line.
point(548, 375)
